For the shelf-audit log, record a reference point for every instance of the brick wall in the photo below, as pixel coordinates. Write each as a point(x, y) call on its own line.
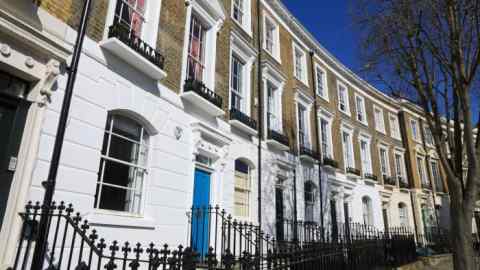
point(69, 11)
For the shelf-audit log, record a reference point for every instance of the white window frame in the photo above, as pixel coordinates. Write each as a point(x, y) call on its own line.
point(307, 103)
point(246, 24)
point(422, 169)
point(367, 211)
point(362, 108)
point(403, 217)
point(379, 123)
point(416, 134)
point(366, 158)
point(151, 25)
point(247, 55)
point(428, 134)
point(310, 204)
point(303, 63)
point(437, 169)
point(387, 161)
point(144, 167)
point(324, 80)
point(348, 163)
point(327, 117)
point(212, 23)
point(270, 75)
point(276, 37)
point(395, 126)
point(248, 191)
point(402, 172)
point(341, 85)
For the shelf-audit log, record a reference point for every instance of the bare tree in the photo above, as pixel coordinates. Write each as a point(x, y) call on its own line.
point(429, 50)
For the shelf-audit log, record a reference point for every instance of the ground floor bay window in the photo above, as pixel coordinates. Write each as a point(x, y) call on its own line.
point(123, 163)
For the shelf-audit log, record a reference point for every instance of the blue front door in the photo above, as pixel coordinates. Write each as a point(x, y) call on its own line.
point(200, 214)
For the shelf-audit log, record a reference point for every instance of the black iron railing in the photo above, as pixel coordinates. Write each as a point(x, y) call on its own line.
point(370, 176)
point(330, 162)
point(74, 245)
point(243, 118)
point(129, 38)
point(199, 88)
point(402, 183)
point(307, 151)
point(353, 171)
point(388, 180)
point(212, 228)
point(427, 186)
point(216, 241)
point(435, 240)
point(277, 136)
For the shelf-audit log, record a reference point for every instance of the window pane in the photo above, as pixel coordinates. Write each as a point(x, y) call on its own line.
point(320, 86)
point(242, 189)
point(120, 181)
point(237, 84)
point(195, 65)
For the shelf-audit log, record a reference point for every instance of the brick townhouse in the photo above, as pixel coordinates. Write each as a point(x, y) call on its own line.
point(176, 104)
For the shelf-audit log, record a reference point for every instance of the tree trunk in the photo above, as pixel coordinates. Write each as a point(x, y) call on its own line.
point(461, 234)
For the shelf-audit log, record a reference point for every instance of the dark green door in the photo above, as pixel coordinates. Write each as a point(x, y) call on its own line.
point(7, 119)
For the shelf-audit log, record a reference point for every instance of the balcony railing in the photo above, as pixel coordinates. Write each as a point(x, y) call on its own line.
point(426, 186)
point(402, 183)
point(307, 151)
point(353, 171)
point(277, 136)
point(199, 88)
point(123, 33)
point(370, 176)
point(388, 180)
point(243, 118)
point(330, 162)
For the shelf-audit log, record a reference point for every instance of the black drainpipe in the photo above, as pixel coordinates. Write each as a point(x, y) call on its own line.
point(317, 141)
point(259, 114)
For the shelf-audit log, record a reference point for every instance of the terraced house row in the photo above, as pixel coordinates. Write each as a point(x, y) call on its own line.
point(203, 102)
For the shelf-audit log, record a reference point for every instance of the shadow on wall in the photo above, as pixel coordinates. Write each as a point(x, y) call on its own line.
point(24, 10)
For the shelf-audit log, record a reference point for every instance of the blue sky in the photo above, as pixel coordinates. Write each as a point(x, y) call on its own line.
point(331, 23)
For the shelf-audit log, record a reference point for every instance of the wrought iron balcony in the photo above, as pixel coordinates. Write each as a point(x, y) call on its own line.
point(278, 140)
point(427, 186)
point(330, 162)
point(243, 121)
point(126, 45)
point(402, 182)
point(388, 180)
point(370, 176)
point(198, 94)
point(307, 152)
point(353, 171)
point(129, 38)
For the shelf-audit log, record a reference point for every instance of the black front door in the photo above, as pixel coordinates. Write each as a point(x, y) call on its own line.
point(333, 217)
point(279, 210)
point(385, 219)
point(7, 118)
point(13, 113)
